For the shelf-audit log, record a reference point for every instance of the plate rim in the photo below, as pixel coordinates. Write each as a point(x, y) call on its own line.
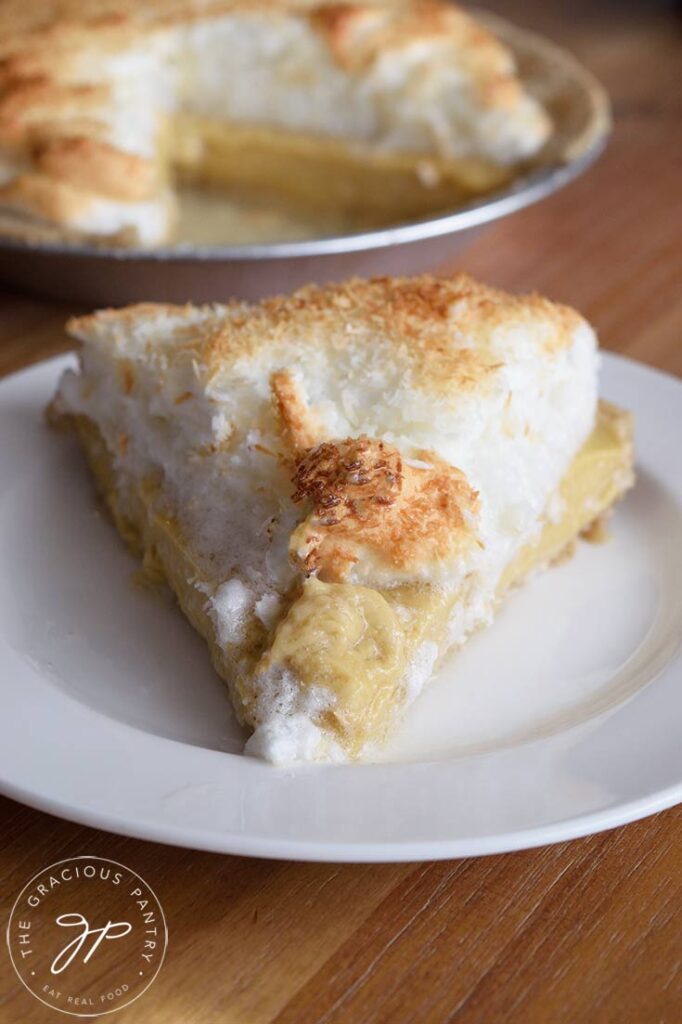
point(361, 852)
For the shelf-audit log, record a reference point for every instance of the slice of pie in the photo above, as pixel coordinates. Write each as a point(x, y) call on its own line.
point(341, 485)
point(374, 111)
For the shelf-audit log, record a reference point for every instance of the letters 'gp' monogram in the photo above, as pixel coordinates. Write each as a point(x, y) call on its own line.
point(111, 930)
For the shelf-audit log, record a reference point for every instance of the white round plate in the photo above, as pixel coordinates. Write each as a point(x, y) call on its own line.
point(562, 719)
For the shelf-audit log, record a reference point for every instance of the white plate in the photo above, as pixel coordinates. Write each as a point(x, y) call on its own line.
point(562, 719)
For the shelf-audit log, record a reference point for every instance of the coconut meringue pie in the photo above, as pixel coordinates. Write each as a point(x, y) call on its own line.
point(340, 485)
point(370, 110)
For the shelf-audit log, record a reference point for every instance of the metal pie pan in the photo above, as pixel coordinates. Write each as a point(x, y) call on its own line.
point(96, 275)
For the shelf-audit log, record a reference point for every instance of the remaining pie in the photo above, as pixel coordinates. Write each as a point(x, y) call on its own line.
point(374, 111)
point(341, 485)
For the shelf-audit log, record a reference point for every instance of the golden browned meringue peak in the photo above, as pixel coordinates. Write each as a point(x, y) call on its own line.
point(369, 505)
point(300, 429)
point(86, 89)
point(370, 509)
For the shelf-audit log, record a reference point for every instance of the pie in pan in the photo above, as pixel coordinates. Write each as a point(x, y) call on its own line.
point(341, 485)
point(373, 111)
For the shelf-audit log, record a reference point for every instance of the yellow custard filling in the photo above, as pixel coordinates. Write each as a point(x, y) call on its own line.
point(331, 178)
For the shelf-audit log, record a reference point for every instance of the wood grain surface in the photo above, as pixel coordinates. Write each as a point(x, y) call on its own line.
point(588, 931)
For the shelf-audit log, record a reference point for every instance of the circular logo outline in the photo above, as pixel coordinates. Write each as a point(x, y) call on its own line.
point(69, 860)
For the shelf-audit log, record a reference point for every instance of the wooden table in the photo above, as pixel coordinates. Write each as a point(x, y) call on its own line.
point(588, 931)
